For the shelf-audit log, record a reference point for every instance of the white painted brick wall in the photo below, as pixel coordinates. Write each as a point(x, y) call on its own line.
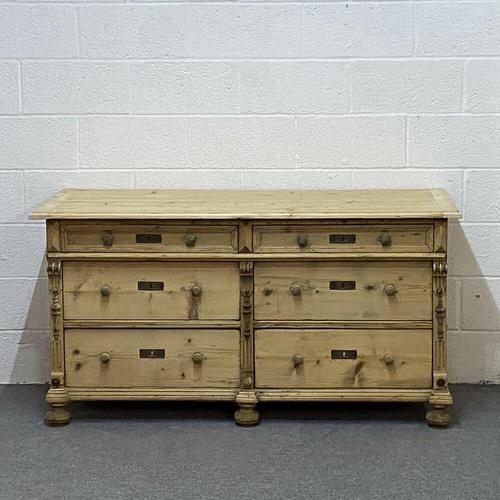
point(253, 95)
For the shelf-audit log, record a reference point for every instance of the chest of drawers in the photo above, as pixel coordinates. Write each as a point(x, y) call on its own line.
point(248, 296)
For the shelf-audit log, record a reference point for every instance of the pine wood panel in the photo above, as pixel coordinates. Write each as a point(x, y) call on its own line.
point(347, 395)
point(171, 238)
point(274, 283)
point(411, 351)
point(125, 368)
point(367, 238)
point(219, 284)
point(269, 204)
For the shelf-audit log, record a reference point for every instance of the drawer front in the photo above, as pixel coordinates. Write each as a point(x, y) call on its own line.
point(343, 358)
point(343, 291)
point(148, 238)
point(343, 238)
point(151, 290)
point(152, 358)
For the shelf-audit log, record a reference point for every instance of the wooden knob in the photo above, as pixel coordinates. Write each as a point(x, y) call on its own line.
point(295, 290)
point(107, 239)
point(388, 359)
point(267, 291)
point(190, 240)
point(385, 239)
point(196, 291)
point(197, 358)
point(302, 240)
point(390, 290)
point(105, 357)
point(297, 359)
point(105, 290)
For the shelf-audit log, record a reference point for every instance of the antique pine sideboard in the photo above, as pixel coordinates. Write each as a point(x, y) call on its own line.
point(248, 296)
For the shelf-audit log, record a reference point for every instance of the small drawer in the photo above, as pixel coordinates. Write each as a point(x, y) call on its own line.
point(152, 358)
point(151, 290)
point(343, 290)
point(343, 358)
point(131, 237)
point(343, 238)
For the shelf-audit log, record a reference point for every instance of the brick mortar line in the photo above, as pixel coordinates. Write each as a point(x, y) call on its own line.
point(291, 115)
point(173, 60)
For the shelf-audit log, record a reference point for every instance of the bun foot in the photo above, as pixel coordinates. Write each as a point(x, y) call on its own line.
point(246, 416)
point(58, 400)
point(57, 417)
point(438, 416)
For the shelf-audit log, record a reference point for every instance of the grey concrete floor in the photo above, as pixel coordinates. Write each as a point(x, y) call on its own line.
point(299, 451)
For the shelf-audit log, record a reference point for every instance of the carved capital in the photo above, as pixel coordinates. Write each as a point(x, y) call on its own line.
point(246, 268)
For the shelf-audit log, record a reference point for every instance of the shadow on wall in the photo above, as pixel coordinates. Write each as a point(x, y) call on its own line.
point(474, 314)
point(474, 322)
point(32, 354)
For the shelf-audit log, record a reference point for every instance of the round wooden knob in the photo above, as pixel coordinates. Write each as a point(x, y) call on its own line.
point(385, 239)
point(295, 290)
point(107, 239)
point(190, 240)
point(267, 291)
point(196, 291)
point(297, 359)
point(105, 357)
point(390, 290)
point(388, 359)
point(197, 357)
point(105, 290)
point(302, 240)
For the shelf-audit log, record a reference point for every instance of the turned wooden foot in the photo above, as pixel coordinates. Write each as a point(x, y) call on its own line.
point(57, 416)
point(438, 416)
point(246, 415)
point(58, 400)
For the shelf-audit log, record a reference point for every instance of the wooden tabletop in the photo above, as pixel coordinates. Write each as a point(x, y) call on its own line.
point(268, 204)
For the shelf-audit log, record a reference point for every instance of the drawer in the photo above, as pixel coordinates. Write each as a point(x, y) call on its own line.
point(152, 358)
point(343, 291)
point(343, 358)
point(130, 237)
point(151, 290)
point(343, 238)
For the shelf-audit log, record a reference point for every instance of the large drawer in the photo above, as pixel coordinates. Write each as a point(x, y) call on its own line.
point(151, 290)
point(343, 358)
point(152, 358)
point(343, 238)
point(343, 291)
point(133, 237)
